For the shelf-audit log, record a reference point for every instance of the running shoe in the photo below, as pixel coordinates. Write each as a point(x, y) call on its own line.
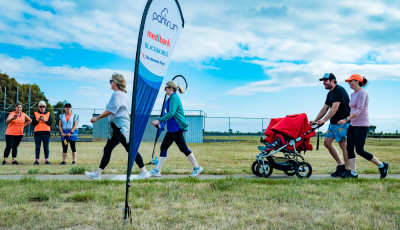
point(47, 163)
point(93, 175)
point(73, 163)
point(348, 174)
point(143, 175)
point(340, 170)
point(4, 163)
point(15, 163)
point(155, 172)
point(63, 163)
point(36, 163)
point(384, 170)
point(196, 171)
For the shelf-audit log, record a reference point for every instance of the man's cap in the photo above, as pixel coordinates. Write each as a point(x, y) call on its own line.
point(328, 76)
point(67, 105)
point(357, 77)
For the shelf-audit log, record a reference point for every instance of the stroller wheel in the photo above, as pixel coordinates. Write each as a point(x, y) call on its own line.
point(303, 170)
point(265, 169)
point(254, 169)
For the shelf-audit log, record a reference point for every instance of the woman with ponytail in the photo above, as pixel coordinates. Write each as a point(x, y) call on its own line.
point(359, 127)
point(176, 125)
point(119, 120)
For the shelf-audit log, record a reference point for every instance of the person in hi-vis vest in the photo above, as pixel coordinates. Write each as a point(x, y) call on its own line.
point(68, 126)
point(16, 120)
point(42, 121)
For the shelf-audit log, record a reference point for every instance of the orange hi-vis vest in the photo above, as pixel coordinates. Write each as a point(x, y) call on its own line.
point(42, 126)
point(16, 127)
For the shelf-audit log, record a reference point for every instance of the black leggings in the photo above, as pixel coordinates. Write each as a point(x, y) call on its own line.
point(12, 142)
point(179, 140)
point(114, 141)
point(65, 146)
point(356, 138)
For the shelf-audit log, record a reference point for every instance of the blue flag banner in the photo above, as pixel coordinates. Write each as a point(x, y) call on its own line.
point(161, 25)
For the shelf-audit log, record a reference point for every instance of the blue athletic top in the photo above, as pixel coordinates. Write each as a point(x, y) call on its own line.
point(172, 124)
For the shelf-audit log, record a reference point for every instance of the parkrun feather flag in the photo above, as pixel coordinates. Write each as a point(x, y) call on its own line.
point(161, 25)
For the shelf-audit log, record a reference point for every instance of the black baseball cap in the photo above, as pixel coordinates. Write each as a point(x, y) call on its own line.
point(67, 105)
point(328, 76)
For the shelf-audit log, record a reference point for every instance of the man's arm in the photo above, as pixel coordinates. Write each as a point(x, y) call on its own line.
point(321, 114)
point(332, 111)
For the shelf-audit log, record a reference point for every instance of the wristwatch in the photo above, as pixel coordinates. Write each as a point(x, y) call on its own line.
point(346, 119)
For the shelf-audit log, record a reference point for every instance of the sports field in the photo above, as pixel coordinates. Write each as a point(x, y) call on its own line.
point(200, 204)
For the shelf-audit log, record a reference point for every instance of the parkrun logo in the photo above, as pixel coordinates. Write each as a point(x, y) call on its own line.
point(158, 38)
point(162, 18)
point(156, 49)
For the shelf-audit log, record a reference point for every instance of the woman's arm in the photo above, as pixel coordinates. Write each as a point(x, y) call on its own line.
point(60, 128)
point(73, 128)
point(104, 114)
point(28, 120)
point(10, 118)
point(173, 106)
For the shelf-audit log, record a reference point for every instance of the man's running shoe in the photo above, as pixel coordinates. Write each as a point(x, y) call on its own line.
point(340, 170)
point(196, 171)
point(15, 163)
point(63, 163)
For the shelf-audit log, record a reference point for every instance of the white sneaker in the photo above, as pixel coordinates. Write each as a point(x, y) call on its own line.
point(143, 175)
point(155, 172)
point(93, 175)
point(196, 171)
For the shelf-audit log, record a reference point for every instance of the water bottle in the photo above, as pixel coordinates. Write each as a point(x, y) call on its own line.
point(156, 161)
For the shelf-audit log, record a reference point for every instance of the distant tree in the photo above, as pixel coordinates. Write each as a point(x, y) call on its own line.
point(58, 110)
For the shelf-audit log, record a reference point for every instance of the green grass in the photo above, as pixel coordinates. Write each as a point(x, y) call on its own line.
point(216, 158)
point(202, 204)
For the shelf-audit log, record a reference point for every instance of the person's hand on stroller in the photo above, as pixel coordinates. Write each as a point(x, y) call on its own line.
point(312, 122)
point(321, 122)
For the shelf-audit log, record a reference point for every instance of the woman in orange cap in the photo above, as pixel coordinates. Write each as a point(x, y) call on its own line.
point(359, 127)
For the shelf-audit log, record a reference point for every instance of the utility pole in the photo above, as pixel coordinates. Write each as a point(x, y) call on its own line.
point(17, 94)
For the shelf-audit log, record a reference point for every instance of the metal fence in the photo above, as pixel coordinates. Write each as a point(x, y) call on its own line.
point(229, 127)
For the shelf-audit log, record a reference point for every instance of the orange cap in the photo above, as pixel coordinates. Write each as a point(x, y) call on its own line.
point(355, 77)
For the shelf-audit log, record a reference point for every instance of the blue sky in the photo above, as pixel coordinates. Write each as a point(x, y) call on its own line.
point(241, 58)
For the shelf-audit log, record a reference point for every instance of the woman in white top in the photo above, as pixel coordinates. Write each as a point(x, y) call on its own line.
point(119, 120)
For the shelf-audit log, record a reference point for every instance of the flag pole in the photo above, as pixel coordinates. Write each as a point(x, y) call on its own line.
point(127, 210)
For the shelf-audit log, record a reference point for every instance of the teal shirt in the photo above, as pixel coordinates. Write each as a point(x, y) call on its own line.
point(175, 111)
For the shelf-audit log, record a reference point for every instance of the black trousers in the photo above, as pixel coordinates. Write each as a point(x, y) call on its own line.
point(356, 139)
point(169, 138)
point(114, 141)
point(12, 142)
point(65, 146)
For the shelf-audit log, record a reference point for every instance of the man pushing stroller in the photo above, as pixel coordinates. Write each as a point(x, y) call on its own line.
point(337, 103)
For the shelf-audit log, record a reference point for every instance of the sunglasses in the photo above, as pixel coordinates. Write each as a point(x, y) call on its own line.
point(168, 87)
point(67, 106)
point(111, 81)
point(42, 106)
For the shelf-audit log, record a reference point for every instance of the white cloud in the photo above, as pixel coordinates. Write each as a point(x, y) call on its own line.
point(290, 75)
point(27, 67)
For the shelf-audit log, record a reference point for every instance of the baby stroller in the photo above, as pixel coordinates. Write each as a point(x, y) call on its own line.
point(289, 135)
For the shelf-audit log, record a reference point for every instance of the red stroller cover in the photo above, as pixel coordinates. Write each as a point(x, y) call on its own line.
point(291, 127)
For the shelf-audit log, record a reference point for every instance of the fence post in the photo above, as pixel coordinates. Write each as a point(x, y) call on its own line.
point(229, 130)
point(4, 112)
point(29, 112)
